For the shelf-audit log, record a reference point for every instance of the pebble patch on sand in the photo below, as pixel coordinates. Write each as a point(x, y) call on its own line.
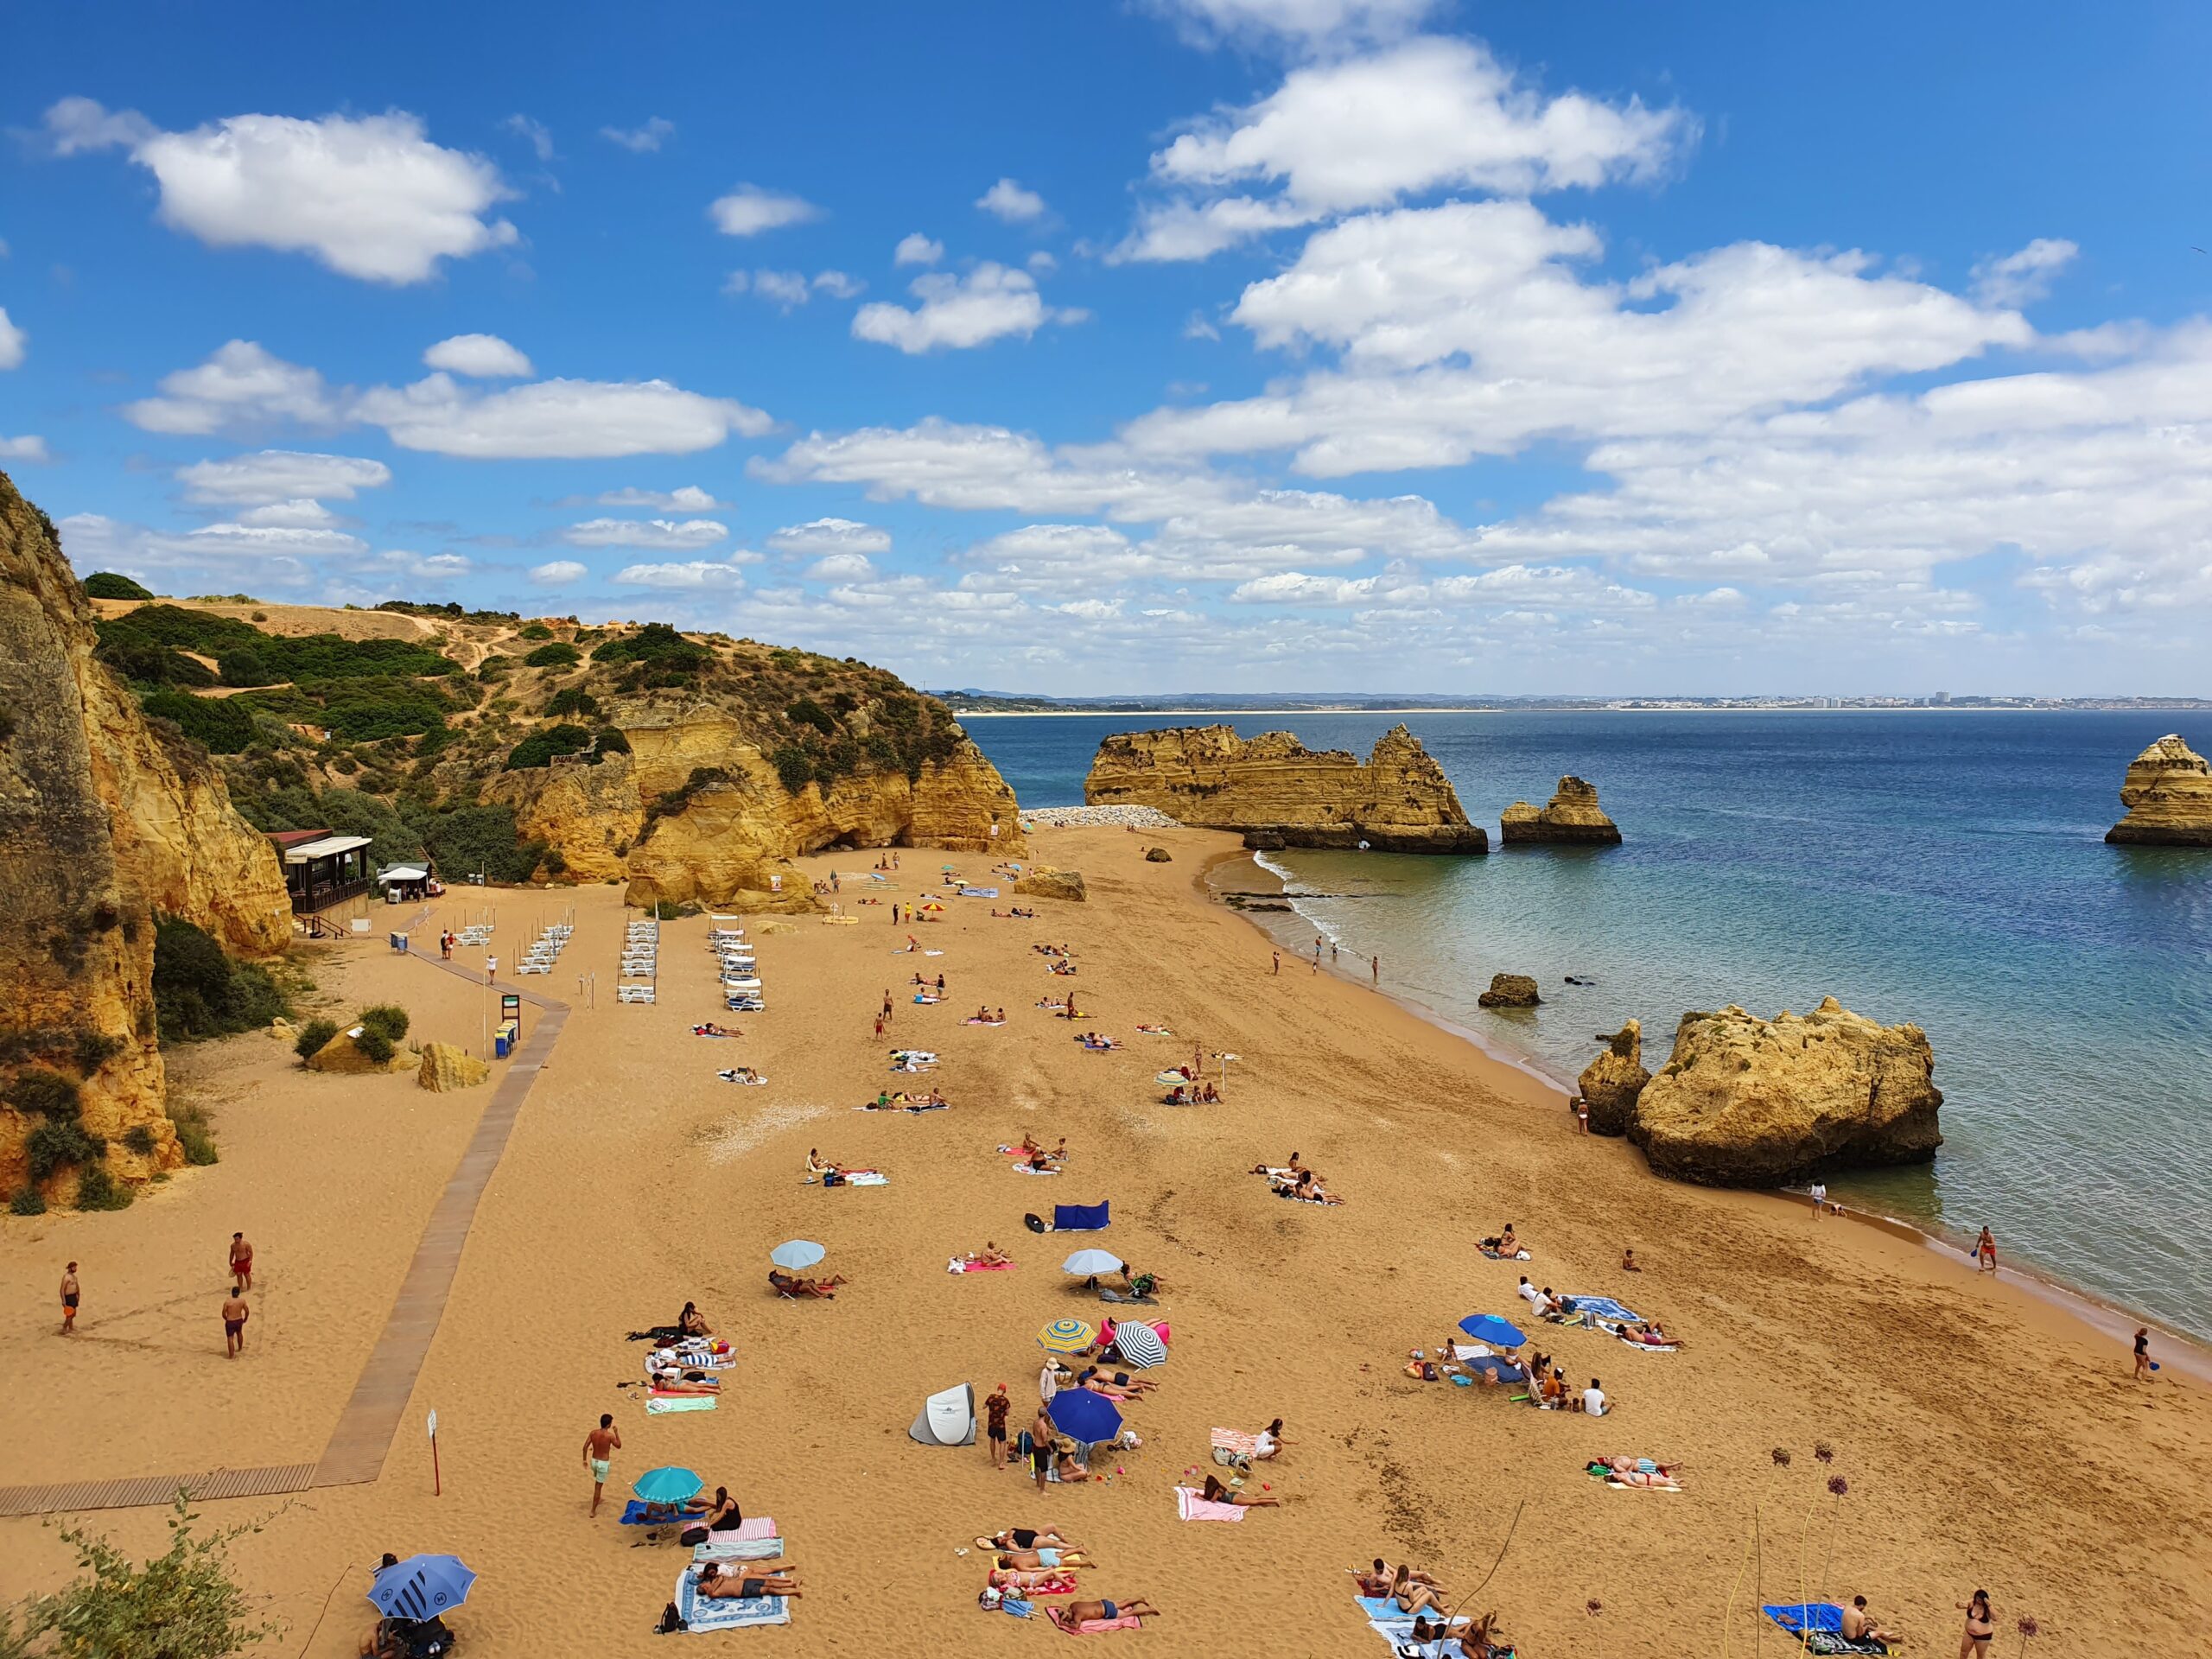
point(734, 1137)
point(1075, 817)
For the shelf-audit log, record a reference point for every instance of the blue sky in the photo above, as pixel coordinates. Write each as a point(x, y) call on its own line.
point(1277, 344)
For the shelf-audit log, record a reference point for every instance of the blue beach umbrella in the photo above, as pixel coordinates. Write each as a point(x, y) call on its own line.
point(1090, 1261)
point(668, 1484)
point(796, 1253)
point(422, 1586)
point(1488, 1327)
point(1085, 1416)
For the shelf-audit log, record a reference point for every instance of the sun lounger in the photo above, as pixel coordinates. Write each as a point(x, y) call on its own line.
point(634, 994)
point(1190, 1505)
point(729, 1613)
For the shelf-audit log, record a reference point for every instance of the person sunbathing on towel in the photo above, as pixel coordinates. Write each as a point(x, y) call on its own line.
point(1051, 1555)
point(1092, 1381)
point(1215, 1492)
point(672, 1379)
point(1649, 1335)
point(1026, 1538)
point(1504, 1244)
point(711, 1029)
point(1083, 1612)
point(791, 1285)
point(758, 1578)
point(1011, 1580)
point(742, 1074)
point(1413, 1592)
point(1631, 1472)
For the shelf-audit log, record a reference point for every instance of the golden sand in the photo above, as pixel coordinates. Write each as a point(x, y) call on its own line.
point(1987, 1438)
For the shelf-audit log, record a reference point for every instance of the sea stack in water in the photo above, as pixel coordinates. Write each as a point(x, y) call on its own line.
point(1572, 818)
point(1613, 1083)
point(1279, 793)
point(2168, 795)
point(1744, 1102)
point(1509, 991)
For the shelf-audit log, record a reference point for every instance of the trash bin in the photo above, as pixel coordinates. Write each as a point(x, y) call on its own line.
point(499, 1046)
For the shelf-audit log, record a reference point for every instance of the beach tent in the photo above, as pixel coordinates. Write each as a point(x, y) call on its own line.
point(400, 874)
point(1079, 1217)
point(947, 1419)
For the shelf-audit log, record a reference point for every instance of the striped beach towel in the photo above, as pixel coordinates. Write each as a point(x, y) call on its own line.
point(1190, 1505)
point(1236, 1439)
point(657, 1408)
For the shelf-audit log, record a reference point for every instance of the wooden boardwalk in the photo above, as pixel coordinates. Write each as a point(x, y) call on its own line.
point(358, 1446)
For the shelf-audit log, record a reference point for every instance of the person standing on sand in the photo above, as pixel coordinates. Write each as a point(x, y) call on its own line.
point(2142, 1353)
point(996, 1407)
point(879, 1028)
point(1042, 1433)
point(1278, 967)
point(235, 1315)
point(1985, 1249)
point(241, 1261)
point(1374, 967)
point(70, 1292)
point(600, 1447)
point(491, 969)
point(1820, 1198)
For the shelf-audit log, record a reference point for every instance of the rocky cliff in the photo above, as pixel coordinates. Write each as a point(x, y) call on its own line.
point(1280, 793)
point(1573, 817)
point(697, 812)
point(1744, 1102)
point(1612, 1083)
point(2168, 795)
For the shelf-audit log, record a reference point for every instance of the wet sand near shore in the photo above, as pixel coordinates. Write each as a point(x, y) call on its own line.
point(1987, 1438)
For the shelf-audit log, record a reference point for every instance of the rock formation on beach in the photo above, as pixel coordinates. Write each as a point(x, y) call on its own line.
point(103, 821)
point(1571, 818)
point(2168, 795)
point(1043, 881)
point(1509, 991)
point(447, 1066)
point(1612, 1084)
point(1279, 793)
point(1745, 1102)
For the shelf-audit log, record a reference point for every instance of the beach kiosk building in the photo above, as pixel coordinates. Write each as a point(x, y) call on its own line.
point(322, 870)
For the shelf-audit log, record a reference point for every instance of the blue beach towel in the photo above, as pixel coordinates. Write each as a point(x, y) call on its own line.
point(1605, 1307)
point(1801, 1615)
point(1079, 1217)
point(706, 1613)
point(633, 1514)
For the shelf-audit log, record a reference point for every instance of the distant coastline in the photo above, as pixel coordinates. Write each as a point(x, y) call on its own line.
point(1627, 706)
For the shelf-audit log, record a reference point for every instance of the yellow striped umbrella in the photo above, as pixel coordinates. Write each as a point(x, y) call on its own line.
point(1067, 1337)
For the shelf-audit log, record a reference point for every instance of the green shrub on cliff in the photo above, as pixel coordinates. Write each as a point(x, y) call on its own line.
point(56, 1143)
point(220, 725)
point(98, 1189)
point(198, 991)
point(313, 1038)
point(106, 584)
point(480, 840)
point(388, 1017)
point(26, 1202)
point(540, 747)
point(41, 1093)
point(182, 1603)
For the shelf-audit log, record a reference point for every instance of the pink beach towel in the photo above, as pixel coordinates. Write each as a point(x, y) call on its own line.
point(1093, 1626)
point(987, 1267)
point(757, 1526)
point(1191, 1506)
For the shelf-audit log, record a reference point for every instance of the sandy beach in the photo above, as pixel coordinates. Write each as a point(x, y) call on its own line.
point(1988, 1438)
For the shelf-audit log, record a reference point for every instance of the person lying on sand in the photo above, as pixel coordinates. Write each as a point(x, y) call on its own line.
point(1647, 1335)
point(1083, 1612)
point(1636, 1472)
point(790, 1285)
point(1155, 1031)
point(1096, 1382)
point(1026, 1538)
point(1215, 1492)
point(672, 1379)
point(1045, 1582)
point(1048, 1555)
point(741, 1074)
point(718, 1583)
point(711, 1029)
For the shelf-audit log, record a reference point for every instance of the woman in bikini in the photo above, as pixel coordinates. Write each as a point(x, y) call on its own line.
point(1046, 1556)
point(1215, 1492)
point(692, 1323)
point(1973, 1642)
point(764, 1579)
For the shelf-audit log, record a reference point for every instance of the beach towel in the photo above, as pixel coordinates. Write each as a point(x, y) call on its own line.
point(865, 1178)
point(1819, 1626)
point(1191, 1506)
point(705, 1613)
point(657, 1407)
point(753, 1081)
point(1237, 1440)
point(728, 1546)
point(1080, 1217)
point(634, 1515)
point(1106, 1295)
point(1603, 1307)
point(692, 1359)
point(1093, 1626)
point(1025, 1169)
point(1499, 1256)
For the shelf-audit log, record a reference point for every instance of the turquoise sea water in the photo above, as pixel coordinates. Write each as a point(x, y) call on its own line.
point(1942, 867)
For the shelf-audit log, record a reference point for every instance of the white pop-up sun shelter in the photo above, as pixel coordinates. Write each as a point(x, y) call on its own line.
point(947, 1419)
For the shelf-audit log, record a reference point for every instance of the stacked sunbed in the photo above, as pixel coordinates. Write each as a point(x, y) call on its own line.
point(479, 934)
point(640, 960)
point(740, 971)
point(543, 951)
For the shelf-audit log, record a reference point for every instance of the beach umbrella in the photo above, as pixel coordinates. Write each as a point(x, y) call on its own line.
point(422, 1586)
point(796, 1253)
point(1140, 1344)
point(1092, 1262)
point(1065, 1336)
point(1488, 1327)
point(1084, 1415)
point(933, 905)
point(668, 1484)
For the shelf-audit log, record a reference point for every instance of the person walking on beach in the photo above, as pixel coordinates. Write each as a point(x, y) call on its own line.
point(491, 969)
point(2143, 1367)
point(1985, 1249)
point(1042, 1433)
point(70, 1292)
point(1332, 953)
point(996, 1407)
point(600, 1447)
point(235, 1315)
point(879, 1028)
point(241, 1261)
point(1277, 968)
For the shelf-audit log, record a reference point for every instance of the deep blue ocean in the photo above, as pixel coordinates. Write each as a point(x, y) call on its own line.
point(1943, 868)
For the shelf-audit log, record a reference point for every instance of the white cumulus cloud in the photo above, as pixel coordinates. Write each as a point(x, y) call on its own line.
point(749, 210)
point(842, 567)
point(821, 535)
point(687, 498)
point(641, 140)
point(558, 573)
point(555, 419)
point(1010, 201)
point(29, 447)
point(485, 357)
point(299, 514)
point(672, 534)
point(241, 387)
point(2024, 277)
point(692, 575)
point(369, 196)
point(989, 303)
point(915, 249)
point(11, 341)
point(281, 475)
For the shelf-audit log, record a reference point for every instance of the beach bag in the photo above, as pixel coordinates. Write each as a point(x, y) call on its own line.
point(692, 1535)
point(1229, 1459)
point(670, 1623)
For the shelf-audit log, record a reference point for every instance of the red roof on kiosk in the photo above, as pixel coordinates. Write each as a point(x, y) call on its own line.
point(295, 837)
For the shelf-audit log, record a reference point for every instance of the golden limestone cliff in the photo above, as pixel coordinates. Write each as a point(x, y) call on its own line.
point(98, 828)
point(1744, 1102)
point(1279, 793)
point(696, 813)
point(1572, 818)
point(2168, 795)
